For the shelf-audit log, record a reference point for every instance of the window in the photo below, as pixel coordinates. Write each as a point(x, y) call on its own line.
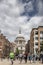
point(0, 43)
point(41, 37)
point(41, 43)
point(41, 32)
point(36, 43)
point(36, 38)
point(36, 32)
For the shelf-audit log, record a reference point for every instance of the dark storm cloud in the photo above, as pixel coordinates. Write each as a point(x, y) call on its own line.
point(37, 7)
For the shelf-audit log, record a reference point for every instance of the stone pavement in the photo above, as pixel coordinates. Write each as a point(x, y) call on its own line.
point(16, 62)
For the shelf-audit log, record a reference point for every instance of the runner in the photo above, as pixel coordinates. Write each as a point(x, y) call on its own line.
point(11, 57)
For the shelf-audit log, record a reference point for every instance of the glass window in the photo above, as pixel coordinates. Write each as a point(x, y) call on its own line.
point(0, 43)
point(41, 37)
point(36, 43)
point(36, 32)
point(41, 43)
point(41, 32)
point(36, 38)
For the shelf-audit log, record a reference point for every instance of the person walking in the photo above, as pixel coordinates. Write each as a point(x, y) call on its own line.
point(33, 58)
point(42, 58)
point(25, 57)
point(30, 57)
point(11, 57)
point(20, 57)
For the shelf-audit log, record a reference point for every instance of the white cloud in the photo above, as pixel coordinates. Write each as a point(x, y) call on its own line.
point(39, 6)
point(34, 22)
point(11, 20)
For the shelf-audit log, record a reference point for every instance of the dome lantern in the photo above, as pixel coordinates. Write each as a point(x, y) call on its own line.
point(20, 31)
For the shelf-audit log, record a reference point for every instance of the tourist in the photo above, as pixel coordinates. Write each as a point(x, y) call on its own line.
point(25, 57)
point(11, 57)
point(20, 57)
point(42, 58)
point(30, 57)
point(33, 58)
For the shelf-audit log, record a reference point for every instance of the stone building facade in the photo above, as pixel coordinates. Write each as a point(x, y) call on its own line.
point(36, 38)
point(4, 45)
point(20, 42)
point(27, 47)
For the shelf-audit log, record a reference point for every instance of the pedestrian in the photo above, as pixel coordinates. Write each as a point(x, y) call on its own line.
point(42, 58)
point(30, 57)
point(11, 57)
point(20, 57)
point(25, 57)
point(33, 58)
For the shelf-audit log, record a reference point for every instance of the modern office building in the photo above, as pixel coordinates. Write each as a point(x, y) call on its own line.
point(36, 38)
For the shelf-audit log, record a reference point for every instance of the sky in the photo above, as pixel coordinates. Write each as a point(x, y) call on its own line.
point(24, 14)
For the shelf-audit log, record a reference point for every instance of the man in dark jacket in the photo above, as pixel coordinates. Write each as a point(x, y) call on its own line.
point(25, 57)
point(42, 58)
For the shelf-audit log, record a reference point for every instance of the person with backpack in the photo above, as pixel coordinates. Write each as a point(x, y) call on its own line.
point(20, 57)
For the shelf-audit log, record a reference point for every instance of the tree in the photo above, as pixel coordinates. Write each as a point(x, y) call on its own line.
point(17, 51)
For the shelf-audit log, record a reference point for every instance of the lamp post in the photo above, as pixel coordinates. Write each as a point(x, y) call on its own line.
point(21, 48)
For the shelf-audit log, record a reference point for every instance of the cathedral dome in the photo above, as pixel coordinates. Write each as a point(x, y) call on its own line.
point(20, 36)
point(20, 42)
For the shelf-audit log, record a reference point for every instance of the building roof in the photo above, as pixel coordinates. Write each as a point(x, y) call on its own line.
point(20, 36)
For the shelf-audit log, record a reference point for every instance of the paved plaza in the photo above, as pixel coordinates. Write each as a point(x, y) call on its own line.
point(16, 62)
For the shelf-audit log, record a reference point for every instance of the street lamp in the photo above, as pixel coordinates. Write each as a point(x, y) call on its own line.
point(21, 48)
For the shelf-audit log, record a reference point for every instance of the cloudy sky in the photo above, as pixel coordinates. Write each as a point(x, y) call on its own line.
point(14, 14)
